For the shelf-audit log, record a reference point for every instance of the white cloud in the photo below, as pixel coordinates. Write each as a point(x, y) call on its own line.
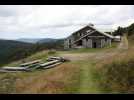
point(59, 21)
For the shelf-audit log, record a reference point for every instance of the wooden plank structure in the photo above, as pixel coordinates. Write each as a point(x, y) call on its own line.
point(14, 68)
point(49, 63)
point(57, 58)
point(8, 71)
point(52, 65)
point(30, 66)
point(23, 67)
point(30, 63)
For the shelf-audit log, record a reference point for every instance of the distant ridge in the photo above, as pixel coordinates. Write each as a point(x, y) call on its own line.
point(12, 50)
point(37, 40)
point(28, 40)
point(47, 40)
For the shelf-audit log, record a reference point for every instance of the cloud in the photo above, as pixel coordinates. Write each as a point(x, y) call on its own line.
point(59, 21)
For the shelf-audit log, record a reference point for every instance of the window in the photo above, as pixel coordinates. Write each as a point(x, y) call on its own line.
point(69, 41)
point(78, 34)
point(88, 31)
point(86, 38)
point(105, 39)
point(79, 43)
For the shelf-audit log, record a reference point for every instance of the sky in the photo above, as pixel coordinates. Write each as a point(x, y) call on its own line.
point(59, 21)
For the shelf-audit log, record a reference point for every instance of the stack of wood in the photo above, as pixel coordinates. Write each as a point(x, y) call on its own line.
point(22, 67)
point(30, 66)
point(53, 61)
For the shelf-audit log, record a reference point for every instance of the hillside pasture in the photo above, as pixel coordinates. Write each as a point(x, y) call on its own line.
point(91, 71)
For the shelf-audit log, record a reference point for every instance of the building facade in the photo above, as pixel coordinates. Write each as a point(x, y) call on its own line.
point(88, 37)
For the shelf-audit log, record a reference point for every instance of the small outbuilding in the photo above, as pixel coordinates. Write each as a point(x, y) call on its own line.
point(117, 38)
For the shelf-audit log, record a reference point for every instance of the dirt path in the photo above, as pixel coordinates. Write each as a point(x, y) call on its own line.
point(97, 55)
point(88, 84)
point(89, 56)
point(124, 43)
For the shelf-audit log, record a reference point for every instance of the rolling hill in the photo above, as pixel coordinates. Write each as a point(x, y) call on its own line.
point(47, 40)
point(28, 40)
point(37, 40)
point(13, 50)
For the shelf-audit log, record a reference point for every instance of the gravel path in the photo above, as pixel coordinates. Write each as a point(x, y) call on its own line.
point(124, 43)
point(90, 56)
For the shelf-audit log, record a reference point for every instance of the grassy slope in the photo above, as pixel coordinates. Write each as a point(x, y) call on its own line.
point(117, 74)
point(70, 77)
point(13, 50)
point(88, 80)
point(90, 50)
point(56, 80)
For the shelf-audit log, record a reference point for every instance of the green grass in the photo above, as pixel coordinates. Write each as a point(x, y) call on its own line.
point(88, 79)
point(85, 80)
point(81, 50)
point(77, 77)
point(90, 50)
point(117, 74)
point(70, 77)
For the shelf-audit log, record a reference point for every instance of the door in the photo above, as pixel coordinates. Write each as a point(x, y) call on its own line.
point(94, 45)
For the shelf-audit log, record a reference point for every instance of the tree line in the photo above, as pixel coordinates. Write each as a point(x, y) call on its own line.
point(13, 50)
point(129, 31)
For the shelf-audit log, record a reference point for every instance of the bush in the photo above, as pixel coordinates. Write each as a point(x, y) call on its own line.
point(7, 84)
point(118, 74)
point(51, 52)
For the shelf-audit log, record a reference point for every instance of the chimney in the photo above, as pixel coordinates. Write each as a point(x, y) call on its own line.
point(90, 24)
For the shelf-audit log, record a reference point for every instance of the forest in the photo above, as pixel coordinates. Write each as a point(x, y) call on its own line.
point(11, 50)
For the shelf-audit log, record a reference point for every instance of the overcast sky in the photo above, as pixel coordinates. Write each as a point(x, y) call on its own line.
point(59, 21)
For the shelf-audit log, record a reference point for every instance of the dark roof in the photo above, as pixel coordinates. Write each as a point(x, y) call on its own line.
point(92, 27)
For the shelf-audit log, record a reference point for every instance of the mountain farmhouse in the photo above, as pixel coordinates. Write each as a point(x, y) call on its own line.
point(88, 37)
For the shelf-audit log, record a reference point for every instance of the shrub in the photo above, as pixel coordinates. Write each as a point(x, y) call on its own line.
point(118, 74)
point(7, 84)
point(51, 52)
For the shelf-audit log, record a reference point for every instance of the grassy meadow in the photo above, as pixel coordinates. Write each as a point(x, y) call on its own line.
point(108, 70)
